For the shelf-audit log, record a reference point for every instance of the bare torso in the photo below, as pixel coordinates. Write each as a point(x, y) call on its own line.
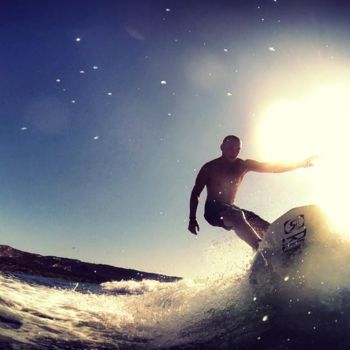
point(223, 179)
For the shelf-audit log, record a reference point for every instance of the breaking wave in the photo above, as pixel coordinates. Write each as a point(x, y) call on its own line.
point(222, 311)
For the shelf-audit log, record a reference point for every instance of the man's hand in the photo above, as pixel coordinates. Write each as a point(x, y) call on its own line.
point(193, 226)
point(309, 162)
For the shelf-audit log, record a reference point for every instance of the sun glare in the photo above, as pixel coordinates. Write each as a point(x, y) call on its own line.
point(315, 124)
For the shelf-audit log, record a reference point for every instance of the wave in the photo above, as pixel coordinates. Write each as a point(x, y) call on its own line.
point(221, 311)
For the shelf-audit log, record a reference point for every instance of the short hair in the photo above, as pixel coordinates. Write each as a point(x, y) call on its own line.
point(231, 137)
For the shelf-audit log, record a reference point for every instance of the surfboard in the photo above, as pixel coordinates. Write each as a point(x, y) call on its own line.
point(288, 239)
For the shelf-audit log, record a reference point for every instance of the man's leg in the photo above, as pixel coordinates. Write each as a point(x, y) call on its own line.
point(259, 225)
point(235, 219)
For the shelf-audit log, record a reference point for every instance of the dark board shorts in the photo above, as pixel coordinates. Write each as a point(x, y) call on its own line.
point(214, 210)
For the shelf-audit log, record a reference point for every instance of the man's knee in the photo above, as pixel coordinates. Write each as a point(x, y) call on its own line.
point(234, 219)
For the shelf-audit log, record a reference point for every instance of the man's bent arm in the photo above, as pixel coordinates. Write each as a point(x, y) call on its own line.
point(194, 203)
point(196, 191)
point(262, 167)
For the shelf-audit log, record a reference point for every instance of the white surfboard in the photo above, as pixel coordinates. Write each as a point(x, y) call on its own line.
point(288, 239)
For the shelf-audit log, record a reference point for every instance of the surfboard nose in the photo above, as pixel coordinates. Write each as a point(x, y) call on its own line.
point(290, 237)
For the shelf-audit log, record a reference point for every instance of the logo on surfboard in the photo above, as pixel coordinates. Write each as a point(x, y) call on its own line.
point(295, 233)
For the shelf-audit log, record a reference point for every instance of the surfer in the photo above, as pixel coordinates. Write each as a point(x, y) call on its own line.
point(222, 177)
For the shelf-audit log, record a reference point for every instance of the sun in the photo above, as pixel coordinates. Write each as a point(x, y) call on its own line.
point(314, 124)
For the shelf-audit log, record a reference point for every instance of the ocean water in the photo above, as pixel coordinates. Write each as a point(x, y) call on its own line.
point(223, 310)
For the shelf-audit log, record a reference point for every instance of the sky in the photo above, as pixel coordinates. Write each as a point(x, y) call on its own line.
point(110, 108)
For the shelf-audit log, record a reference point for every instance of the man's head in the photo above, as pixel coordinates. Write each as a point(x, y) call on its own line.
point(230, 147)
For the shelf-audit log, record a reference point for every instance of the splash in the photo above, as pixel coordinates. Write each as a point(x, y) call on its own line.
point(220, 310)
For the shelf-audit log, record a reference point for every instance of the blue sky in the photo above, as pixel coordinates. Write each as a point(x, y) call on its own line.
point(109, 108)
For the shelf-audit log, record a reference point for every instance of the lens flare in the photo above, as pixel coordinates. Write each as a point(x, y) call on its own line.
point(315, 124)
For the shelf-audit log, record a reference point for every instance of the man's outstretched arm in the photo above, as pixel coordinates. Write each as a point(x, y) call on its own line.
point(201, 179)
point(263, 167)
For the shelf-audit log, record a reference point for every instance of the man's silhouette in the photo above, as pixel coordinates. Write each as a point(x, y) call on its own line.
point(222, 177)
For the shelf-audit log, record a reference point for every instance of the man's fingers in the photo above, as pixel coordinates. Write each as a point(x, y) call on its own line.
point(192, 229)
point(312, 160)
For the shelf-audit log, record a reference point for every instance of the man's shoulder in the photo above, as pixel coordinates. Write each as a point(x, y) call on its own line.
point(241, 164)
point(211, 163)
point(217, 162)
